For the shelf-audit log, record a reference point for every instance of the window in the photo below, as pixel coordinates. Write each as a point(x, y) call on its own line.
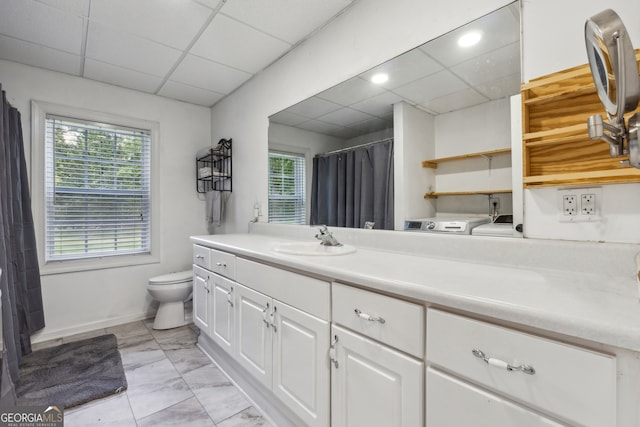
point(97, 189)
point(286, 188)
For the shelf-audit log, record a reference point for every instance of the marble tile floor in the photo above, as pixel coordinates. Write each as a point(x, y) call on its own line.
point(170, 383)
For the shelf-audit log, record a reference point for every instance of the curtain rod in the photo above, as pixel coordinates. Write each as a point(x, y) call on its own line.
point(354, 147)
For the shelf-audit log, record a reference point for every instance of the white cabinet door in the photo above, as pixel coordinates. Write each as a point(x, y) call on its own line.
point(201, 299)
point(222, 315)
point(373, 385)
point(452, 402)
point(254, 333)
point(301, 363)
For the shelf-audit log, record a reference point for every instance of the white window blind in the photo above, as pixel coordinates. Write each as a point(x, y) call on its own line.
point(286, 188)
point(97, 189)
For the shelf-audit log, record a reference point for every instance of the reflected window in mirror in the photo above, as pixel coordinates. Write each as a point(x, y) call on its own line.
point(286, 188)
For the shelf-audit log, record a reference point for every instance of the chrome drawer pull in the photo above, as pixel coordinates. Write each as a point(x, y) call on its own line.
point(368, 317)
point(199, 256)
point(221, 264)
point(502, 364)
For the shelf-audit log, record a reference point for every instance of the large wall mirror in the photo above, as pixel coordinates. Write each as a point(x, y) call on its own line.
point(442, 101)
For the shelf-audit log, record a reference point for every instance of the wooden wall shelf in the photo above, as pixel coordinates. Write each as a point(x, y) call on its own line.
point(557, 150)
point(435, 194)
point(433, 163)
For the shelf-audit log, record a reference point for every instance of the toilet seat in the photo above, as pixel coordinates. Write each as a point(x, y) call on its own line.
point(172, 278)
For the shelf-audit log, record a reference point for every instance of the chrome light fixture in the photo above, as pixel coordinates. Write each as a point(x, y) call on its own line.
point(615, 74)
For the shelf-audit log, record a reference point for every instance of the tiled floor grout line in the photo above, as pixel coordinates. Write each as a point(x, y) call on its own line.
point(179, 348)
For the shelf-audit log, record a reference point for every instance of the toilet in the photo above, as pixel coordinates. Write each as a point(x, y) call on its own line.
point(171, 290)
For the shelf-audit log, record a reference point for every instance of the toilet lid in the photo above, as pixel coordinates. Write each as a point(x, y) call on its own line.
point(167, 279)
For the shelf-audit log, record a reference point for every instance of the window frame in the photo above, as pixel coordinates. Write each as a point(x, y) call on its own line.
point(39, 112)
point(304, 159)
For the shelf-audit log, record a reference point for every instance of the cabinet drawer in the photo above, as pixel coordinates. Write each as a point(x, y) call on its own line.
point(572, 383)
point(303, 292)
point(397, 323)
point(446, 395)
point(201, 256)
point(222, 263)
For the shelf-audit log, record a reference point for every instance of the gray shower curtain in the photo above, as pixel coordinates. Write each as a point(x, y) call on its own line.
point(22, 310)
point(354, 186)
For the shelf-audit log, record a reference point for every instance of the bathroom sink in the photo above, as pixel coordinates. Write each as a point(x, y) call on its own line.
point(313, 248)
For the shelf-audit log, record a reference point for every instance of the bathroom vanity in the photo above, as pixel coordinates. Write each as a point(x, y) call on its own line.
point(413, 336)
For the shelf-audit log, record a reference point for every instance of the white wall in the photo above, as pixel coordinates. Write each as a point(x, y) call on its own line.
point(553, 40)
point(367, 34)
point(483, 127)
point(79, 301)
point(413, 143)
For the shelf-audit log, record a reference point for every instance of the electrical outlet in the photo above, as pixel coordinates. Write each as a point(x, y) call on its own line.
point(588, 204)
point(570, 204)
point(580, 204)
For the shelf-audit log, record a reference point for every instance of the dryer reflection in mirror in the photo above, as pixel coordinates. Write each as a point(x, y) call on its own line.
point(615, 74)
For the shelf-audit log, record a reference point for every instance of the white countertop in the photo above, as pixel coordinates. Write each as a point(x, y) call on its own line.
point(592, 306)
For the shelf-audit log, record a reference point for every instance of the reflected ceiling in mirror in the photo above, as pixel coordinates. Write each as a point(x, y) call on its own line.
point(437, 77)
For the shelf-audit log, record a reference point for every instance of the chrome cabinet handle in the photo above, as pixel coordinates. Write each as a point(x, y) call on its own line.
point(199, 256)
point(273, 317)
point(221, 264)
point(229, 300)
point(264, 316)
point(368, 317)
point(527, 369)
point(333, 357)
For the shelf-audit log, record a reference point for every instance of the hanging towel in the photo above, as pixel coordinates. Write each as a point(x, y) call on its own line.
point(214, 207)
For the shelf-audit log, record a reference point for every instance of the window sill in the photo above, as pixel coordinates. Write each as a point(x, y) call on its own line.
point(77, 265)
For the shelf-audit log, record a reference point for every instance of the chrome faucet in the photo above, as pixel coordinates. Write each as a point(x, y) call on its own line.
point(326, 238)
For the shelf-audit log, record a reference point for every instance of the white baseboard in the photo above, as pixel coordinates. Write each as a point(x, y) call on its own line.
point(274, 410)
point(51, 334)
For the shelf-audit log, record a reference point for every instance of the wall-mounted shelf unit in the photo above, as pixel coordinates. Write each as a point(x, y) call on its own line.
point(435, 194)
point(213, 170)
point(433, 164)
point(557, 150)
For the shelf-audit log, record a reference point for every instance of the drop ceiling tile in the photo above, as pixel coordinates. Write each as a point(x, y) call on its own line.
point(38, 56)
point(491, 66)
point(237, 45)
point(372, 125)
point(119, 76)
point(322, 127)
point(75, 7)
point(351, 91)
point(287, 118)
point(379, 105)
point(199, 72)
point(39, 23)
point(190, 94)
point(170, 22)
point(129, 51)
point(313, 107)
point(498, 29)
point(405, 68)
point(211, 4)
point(502, 87)
point(345, 117)
point(455, 101)
point(288, 20)
point(431, 87)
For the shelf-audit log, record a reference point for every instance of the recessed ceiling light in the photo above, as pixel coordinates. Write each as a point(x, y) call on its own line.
point(379, 78)
point(469, 39)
